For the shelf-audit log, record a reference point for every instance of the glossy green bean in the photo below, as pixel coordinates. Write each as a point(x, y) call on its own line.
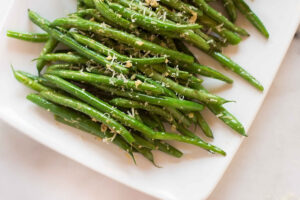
point(48, 48)
point(230, 9)
point(224, 115)
point(106, 80)
point(188, 92)
point(220, 29)
point(184, 131)
point(77, 120)
point(122, 37)
point(251, 16)
point(88, 110)
point(159, 101)
point(150, 23)
point(101, 105)
point(125, 103)
point(30, 37)
point(85, 52)
point(168, 92)
point(176, 73)
point(65, 57)
point(178, 116)
point(227, 62)
point(207, 9)
point(110, 15)
point(27, 81)
point(183, 7)
point(100, 48)
point(204, 125)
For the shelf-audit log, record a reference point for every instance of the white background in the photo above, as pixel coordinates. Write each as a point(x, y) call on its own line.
point(267, 165)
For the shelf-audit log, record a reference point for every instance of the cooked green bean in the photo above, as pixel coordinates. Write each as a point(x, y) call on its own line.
point(160, 127)
point(122, 37)
point(110, 15)
point(225, 116)
point(30, 37)
point(44, 24)
point(65, 57)
point(125, 103)
point(168, 92)
point(228, 36)
point(48, 48)
point(100, 48)
point(203, 125)
point(181, 6)
point(150, 23)
point(230, 9)
point(251, 16)
point(227, 62)
point(106, 80)
point(33, 84)
point(178, 116)
point(184, 131)
point(159, 101)
point(77, 120)
point(88, 110)
point(188, 92)
point(176, 73)
point(207, 9)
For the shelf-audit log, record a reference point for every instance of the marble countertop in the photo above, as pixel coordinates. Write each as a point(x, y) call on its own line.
point(267, 166)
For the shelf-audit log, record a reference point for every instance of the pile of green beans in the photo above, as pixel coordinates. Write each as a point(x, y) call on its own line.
point(126, 75)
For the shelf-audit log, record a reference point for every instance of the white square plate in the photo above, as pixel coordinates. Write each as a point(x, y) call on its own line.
point(193, 176)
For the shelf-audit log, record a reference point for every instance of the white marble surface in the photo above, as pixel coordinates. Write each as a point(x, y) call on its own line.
point(267, 165)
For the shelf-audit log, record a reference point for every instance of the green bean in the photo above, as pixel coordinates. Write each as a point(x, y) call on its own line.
point(89, 3)
point(184, 131)
point(125, 103)
point(142, 143)
point(201, 69)
point(106, 80)
point(100, 48)
point(176, 73)
point(77, 120)
point(181, 6)
point(148, 121)
point(110, 15)
point(188, 92)
point(150, 23)
point(38, 79)
point(125, 119)
point(167, 148)
point(228, 35)
point(227, 62)
point(187, 35)
point(168, 92)
point(225, 116)
point(203, 125)
point(122, 37)
point(88, 110)
point(30, 37)
point(159, 101)
point(63, 66)
point(178, 116)
point(65, 57)
point(85, 52)
point(100, 105)
point(48, 48)
point(251, 16)
point(219, 17)
point(33, 84)
point(230, 9)
point(160, 127)
point(147, 154)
